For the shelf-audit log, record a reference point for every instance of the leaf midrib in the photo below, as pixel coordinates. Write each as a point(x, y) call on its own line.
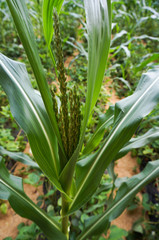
point(30, 203)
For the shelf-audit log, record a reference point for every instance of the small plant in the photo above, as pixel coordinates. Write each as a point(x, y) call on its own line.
point(56, 129)
point(3, 207)
point(26, 232)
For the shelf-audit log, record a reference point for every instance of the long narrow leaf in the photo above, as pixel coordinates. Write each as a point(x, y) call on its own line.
point(105, 120)
point(29, 111)
point(126, 192)
point(11, 188)
point(146, 60)
point(19, 156)
point(48, 6)
point(128, 114)
point(149, 137)
point(22, 21)
point(98, 16)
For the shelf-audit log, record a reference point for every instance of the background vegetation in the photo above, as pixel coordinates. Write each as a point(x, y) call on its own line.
point(134, 49)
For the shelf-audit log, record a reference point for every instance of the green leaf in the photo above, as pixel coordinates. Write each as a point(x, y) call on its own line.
point(48, 6)
point(105, 120)
point(24, 27)
point(118, 35)
point(32, 179)
point(145, 202)
point(138, 228)
point(11, 188)
point(128, 114)
point(150, 136)
point(19, 156)
point(146, 60)
point(148, 150)
point(98, 16)
point(117, 233)
point(103, 188)
point(26, 232)
point(29, 111)
point(126, 192)
point(3, 208)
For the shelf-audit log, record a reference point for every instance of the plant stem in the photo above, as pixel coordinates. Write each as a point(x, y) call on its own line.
point(65, 219)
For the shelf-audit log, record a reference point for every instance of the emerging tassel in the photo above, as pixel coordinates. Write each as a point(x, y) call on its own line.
point(69, 117)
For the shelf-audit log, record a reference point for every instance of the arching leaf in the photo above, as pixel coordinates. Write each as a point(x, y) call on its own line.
point(29, 111)
point(125, 193)
point(11, 189)
point(19, 156)
point(149, 137)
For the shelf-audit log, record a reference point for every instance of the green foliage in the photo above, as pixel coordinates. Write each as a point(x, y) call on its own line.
point(11, 188)
point(135, 43)
point(7, 135)
point(18, 156)
point(3, 208)
point(26, 232)
point(7, 140)
point(117, 233)
point(32, 179)
point(77, 171)
point(126, 192)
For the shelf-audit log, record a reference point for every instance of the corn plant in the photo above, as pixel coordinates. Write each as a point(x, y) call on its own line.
point(56, 133)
